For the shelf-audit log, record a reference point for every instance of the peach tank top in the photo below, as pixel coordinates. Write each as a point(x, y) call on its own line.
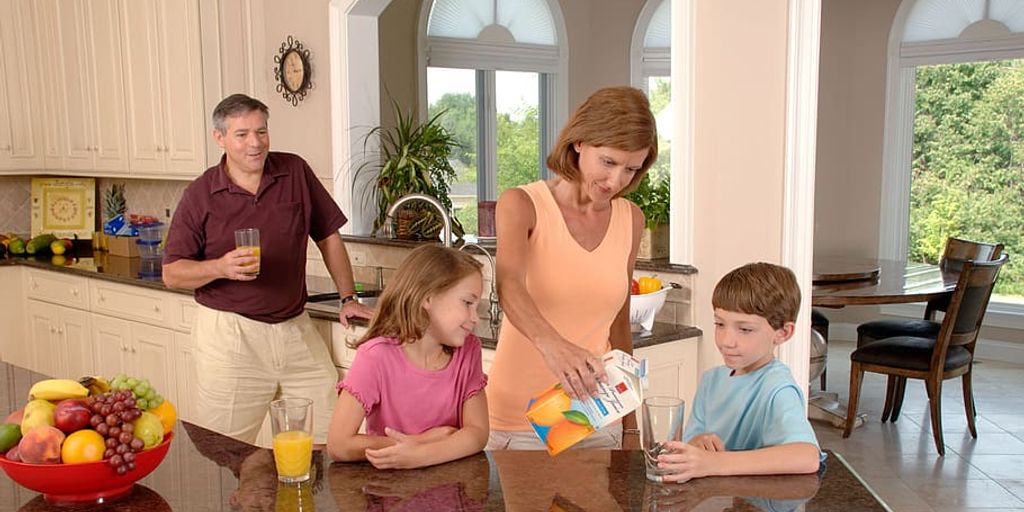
point(579, 292)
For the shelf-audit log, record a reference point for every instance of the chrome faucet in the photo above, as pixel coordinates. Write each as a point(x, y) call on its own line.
point(446, 232)
point(495, 309)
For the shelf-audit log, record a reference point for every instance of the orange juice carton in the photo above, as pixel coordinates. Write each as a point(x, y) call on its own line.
point(561, 421)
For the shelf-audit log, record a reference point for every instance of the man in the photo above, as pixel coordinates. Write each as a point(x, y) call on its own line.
point(254, 340)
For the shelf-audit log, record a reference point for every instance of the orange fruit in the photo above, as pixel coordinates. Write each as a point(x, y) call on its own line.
point(82, 446)
point(167, 414)
point(565, 434)
point(547, 409)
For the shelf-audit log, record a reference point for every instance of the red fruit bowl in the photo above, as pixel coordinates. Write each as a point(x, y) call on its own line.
point(91, 481)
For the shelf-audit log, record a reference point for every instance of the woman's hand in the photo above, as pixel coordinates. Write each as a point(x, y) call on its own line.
point(406, 453)
point(708, 441)
point(577, 369)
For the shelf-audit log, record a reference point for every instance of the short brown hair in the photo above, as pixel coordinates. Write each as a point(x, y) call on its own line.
point(234, 105)
point(614, 117)
point(427, 271)
point(763, 289)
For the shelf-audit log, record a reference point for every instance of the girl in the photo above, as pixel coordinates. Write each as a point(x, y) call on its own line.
point(417, 377)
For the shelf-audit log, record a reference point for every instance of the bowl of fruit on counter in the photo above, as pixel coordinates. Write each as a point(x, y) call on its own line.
point(88, 440)
point(647, 296)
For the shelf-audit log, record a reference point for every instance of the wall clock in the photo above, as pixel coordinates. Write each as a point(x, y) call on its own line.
point(293, 72)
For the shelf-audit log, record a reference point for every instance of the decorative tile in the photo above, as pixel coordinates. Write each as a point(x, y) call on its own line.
point(15, 204)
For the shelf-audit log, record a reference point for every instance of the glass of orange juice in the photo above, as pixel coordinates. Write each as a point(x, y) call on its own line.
point(249, 238)
point(291, 420)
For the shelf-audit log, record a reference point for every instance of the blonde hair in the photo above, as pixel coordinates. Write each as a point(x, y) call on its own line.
point(614, 117)
point(763, 289)
point(427, 271)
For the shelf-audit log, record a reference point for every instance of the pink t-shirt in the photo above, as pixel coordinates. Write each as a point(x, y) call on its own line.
point(397, 394)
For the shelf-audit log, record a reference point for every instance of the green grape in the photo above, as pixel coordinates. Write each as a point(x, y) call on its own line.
point(140, 391)
point(150, 394)
point(155, 402)
point(142, 404)
point(145, 382)
point(132, 382)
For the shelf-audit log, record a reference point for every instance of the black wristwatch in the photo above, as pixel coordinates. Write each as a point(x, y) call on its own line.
point(348, 298)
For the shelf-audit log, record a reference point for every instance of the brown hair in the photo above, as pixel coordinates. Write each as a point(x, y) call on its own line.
point(234, 105)
point(427, 271)
point(615, 117)
point(763, 289)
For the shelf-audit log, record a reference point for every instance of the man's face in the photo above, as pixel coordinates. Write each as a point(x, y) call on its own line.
point(245, 140)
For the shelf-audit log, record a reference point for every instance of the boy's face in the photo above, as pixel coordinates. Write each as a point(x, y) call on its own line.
point(747, 342)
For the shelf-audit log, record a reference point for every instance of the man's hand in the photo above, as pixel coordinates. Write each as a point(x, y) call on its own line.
point(708, 441)
point(353, 309)
point(238, 265)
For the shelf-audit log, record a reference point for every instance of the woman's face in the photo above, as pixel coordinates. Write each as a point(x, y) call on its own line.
point(605, 171)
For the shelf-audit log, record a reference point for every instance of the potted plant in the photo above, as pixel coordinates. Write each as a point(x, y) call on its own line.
point(412, 157)
point(653, 198)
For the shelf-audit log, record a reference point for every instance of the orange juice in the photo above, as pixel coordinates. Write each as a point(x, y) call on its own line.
point(293, 451)
point(255, 252)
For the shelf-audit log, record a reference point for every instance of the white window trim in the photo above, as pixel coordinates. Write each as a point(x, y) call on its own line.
point(900, 98)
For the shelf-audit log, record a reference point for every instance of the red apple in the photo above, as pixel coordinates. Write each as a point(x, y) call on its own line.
point(72, 414)
point(15, 417)
point(13, 454)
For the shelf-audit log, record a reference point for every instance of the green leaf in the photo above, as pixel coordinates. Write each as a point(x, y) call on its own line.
point(577, 417)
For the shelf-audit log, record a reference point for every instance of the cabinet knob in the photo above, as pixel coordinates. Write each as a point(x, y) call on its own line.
point(133, 350)
point(74, 291)
point(124, 348)
point(52, 330)
point(156, 309)
point(101, 298)
point(60, 330)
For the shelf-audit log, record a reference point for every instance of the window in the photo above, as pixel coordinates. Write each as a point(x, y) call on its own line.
point(953, 165)
point(652, 45)
point(496, 68)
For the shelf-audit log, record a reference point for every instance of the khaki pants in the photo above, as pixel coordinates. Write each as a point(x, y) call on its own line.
point(243, 365)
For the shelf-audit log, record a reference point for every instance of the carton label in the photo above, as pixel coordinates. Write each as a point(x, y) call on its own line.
point(561, 421)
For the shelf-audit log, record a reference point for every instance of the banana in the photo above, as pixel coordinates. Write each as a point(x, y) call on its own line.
point(57, 389)
point(97, 385)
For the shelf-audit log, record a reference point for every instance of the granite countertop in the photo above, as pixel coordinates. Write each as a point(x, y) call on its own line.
point(208, 471)
point(136, 272)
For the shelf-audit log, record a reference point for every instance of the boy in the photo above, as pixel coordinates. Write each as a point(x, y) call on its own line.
point(748, 416)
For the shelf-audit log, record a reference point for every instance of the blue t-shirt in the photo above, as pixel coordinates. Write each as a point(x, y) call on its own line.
point(760, 409)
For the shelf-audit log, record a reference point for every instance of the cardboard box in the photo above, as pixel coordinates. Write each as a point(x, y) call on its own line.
point(123, 246)
point(560, 421)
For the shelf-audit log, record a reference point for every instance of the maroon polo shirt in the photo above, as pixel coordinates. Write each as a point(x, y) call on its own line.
point(290, 206)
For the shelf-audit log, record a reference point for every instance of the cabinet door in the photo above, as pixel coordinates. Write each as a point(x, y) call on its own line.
point(140, 47)
point(185, 364)
point(185, 129)
point(153, 358)
point(15, 345)
point(109, 138)
point(73, 55)
point(42, 331)
point(110, 340)
point(20, 136)
point(51, 87)
point(75, 338)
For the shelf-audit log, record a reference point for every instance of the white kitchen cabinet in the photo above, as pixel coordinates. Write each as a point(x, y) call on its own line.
point(89, 86)
point(14, 344)
point(20, 133)
point(164, 88)
point(185, 363)
point(59, 337)
point(672, 369)
point(136, 350)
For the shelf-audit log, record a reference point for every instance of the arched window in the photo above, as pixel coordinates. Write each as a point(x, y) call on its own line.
point(953, 119)
point(498, 70)
point(651, 69)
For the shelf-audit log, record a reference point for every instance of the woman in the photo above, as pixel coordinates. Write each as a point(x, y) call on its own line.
point(565, 259)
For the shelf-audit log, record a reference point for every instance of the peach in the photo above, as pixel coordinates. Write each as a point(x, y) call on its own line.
point(41, 445)
point(15, 417)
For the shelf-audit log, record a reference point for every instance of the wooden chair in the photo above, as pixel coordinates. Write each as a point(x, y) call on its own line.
point(955, 254)
point(949, 355)
point(819, 322)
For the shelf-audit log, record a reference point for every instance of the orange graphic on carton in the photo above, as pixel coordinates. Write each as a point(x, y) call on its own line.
point(555, 422)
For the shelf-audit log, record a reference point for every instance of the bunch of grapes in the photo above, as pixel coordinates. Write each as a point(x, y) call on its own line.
point(145, 396)
point(113, 414)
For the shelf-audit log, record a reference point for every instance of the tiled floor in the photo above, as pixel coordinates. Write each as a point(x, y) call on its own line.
point(899, 461)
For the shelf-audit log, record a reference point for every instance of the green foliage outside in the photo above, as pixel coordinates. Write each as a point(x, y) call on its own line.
point(968, 162)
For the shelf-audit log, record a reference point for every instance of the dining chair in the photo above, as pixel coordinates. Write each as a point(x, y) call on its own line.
point(819, 322)
point(950, 354)
point(955, 254)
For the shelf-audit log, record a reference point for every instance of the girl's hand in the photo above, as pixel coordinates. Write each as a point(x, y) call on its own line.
point(577, 369)
point(708, 441)
point(406, 453)
point(684, 462)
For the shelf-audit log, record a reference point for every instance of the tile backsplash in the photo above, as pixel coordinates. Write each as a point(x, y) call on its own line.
point(15, 198)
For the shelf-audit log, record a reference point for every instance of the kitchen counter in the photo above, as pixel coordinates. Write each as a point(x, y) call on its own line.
point(131, 271)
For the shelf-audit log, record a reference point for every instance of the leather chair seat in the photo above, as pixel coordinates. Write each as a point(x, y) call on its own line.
point(908, 352)
point(882, 329)
point(818, 319)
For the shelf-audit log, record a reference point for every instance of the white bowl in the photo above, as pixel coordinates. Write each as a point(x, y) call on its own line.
point(643, 308)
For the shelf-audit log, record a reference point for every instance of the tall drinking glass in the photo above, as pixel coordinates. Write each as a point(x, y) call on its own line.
point(291, 420)
point(662, 422)
point(249, 238)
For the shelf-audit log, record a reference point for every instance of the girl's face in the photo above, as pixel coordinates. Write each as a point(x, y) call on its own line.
point(453, 312)
point(605, 171)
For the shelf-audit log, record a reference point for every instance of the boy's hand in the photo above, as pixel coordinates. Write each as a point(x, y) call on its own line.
point(708, 441)
point(404, 454)
point(684, 462)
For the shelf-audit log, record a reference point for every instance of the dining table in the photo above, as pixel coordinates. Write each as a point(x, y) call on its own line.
point(208, 471)
point(840, 281)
